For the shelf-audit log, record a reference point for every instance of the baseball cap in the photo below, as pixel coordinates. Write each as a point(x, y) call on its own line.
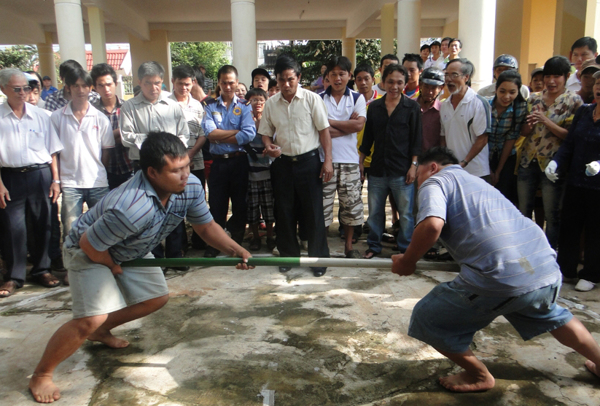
point(46, 78)
point(260, 71)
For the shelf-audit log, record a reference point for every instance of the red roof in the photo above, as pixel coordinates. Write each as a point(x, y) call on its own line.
point(114, 57)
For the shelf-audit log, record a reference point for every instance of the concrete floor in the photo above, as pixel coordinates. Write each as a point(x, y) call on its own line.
point(259, 337)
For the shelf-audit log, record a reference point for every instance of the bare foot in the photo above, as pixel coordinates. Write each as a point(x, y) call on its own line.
point(592, 367)
point(108, 339)
point(463, 382)
point(43, 389)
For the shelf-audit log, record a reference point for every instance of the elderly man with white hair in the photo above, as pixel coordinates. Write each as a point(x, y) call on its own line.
point(29, 182)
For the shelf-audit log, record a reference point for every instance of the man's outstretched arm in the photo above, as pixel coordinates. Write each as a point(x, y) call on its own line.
point(216, 237)
point(425, 235)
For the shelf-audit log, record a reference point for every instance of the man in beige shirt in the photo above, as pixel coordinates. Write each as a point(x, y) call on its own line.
point(298, 117)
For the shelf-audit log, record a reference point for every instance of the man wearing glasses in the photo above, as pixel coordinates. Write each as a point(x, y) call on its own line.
point(29, 183)
point(465, 120)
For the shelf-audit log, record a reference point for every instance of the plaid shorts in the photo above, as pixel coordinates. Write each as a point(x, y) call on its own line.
point(260, 200)
point(346, 180)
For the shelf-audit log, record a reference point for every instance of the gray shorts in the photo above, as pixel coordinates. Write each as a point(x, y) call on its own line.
point(95, 290)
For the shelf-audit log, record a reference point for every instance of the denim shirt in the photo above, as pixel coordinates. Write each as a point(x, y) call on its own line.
point(237, 117)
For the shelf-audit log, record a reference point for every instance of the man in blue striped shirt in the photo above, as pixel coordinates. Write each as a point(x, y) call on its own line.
point(127, 224)
point(507, 269)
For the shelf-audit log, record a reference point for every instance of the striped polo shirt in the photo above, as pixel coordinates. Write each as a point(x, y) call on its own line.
point(501, 253)
point(130, 220)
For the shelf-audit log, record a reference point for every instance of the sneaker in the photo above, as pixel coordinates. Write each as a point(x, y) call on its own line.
point(584, 286)
point(275, 252)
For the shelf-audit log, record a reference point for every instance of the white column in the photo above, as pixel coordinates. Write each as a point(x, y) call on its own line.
point(46, 58)
point(243, 30)
point(476, 30)
point(592, 18)
point(387, 29)
point(69, 27)
point(349, 48)
point(409, 27)
point(97, 34)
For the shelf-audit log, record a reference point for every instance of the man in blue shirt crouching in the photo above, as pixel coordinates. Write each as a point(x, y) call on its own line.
point(127, 224)
point(507, 269)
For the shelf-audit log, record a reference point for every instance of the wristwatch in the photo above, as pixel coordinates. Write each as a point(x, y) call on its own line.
point(56, 181)
point(465, 161)
point(415, 163)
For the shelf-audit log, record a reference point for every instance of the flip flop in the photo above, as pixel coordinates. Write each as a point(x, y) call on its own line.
point(46, 279)
point(432, 254)
point(354, 254)
point(370, 254)
point(10, 287)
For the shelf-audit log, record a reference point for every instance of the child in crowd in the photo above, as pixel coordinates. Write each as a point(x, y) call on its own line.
point(260, 191)
point(273, 88)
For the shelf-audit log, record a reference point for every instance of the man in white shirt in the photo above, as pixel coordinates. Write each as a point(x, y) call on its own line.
point(29, 183)
point(347, 113)
point(153, 111)
point(465, 120)
point(184, 78)
point(583, 49)
point(87, 136)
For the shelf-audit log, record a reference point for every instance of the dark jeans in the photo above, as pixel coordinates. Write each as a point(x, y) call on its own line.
point(116, 180)
point(528, 180)
point(29, 196)
point(580, 213)
point(507, 183)
point(54, 250)
point(229, 180)
point(297, 186)
point(196, 240)
point(174, 244)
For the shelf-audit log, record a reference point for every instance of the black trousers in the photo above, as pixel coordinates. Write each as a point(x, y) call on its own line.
point(229, 180)
point(297, 186)
point(507, 184)
point(580, 213)
point(29, 197)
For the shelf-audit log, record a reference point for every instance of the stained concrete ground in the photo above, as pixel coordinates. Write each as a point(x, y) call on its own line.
point(259, 337)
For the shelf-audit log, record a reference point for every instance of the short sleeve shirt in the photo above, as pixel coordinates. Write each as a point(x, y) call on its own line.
point(501, 253)
point(28, 140)
point(343, 149)
point(297, 123)
point(139, 117)
point(130, 220)
point(541, 144)
point(462, 126)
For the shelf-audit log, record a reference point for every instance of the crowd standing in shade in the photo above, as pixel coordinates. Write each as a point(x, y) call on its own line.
point(275, 155)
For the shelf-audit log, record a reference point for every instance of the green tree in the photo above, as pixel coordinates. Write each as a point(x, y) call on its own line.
point(23, 57)
point(313, 53)
point(212, 55)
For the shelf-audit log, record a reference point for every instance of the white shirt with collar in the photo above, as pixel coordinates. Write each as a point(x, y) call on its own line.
point(343, 149)
point(573, 83)
point(139, 117)
point(26, 141)
point(460, 135)
point(81, 159)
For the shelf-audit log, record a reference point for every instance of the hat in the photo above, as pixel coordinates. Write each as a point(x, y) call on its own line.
point(46, 78)
point(433, 76)
point(536, 71)
point(506, 60)
point(590, 64)
point(260, 71)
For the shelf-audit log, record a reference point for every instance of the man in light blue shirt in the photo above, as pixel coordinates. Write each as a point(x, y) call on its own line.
point(127, 224)
point(228, 125)
point(507, 269)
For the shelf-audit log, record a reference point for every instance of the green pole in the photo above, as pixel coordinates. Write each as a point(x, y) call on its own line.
point(287, 262)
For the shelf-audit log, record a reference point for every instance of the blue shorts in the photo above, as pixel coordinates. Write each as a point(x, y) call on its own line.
point(448, 317)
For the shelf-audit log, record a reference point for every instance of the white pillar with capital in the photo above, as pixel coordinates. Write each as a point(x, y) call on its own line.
point(69, 27)
point(243, 30)
point(477, 30)
point(409, 27)
point(97, 34)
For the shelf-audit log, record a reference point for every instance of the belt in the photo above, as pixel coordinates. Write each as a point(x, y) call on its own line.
point(227, 156)
point(301, 157)
point(29, 168)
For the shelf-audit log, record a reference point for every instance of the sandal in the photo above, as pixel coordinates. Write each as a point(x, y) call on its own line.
point(389, 238)
point(354, 254)
point(46, 279)
point(370, 254)
point(432, 254)
point(10, 287)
